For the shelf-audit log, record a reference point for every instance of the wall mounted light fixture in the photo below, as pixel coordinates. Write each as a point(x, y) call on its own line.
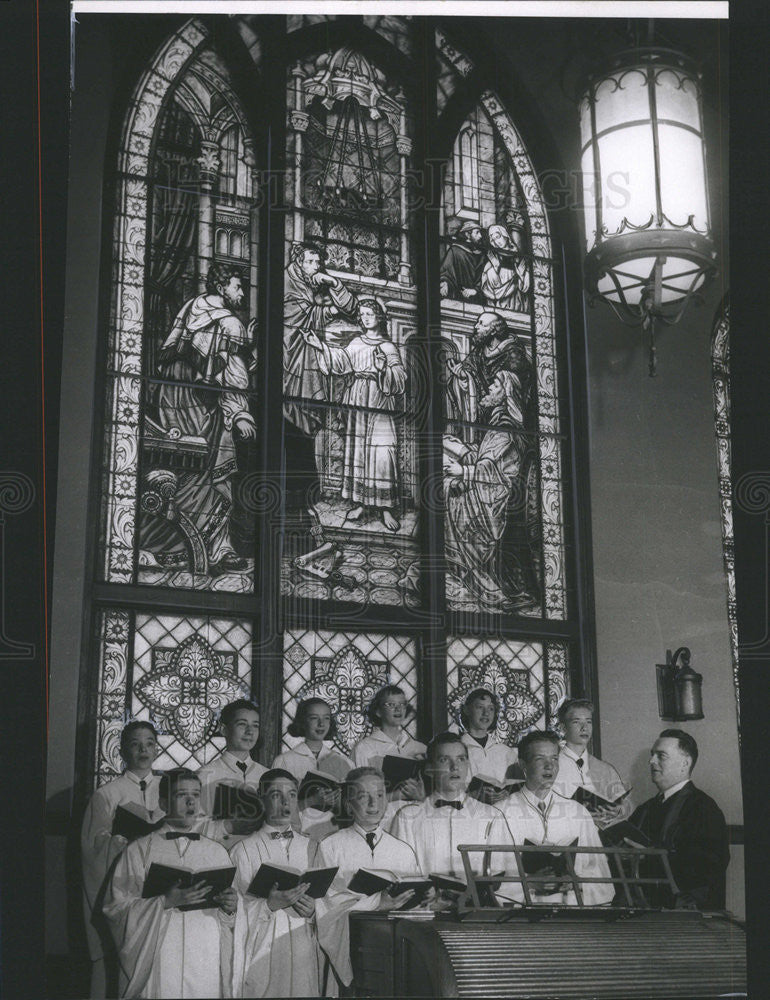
point(679, 688)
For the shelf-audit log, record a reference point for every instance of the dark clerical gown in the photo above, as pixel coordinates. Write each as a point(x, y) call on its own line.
point(461, 268)
point(691, 826)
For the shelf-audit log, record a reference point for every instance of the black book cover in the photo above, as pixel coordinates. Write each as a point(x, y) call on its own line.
point(592, 800)
point(133, 822)
point(236, 802)
point(318, 879)
point(315, 781)
point(400, 769)
point(612, 836)
point(535, 862)
point(160, 878)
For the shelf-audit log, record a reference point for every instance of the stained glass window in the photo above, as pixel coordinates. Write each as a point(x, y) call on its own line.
point(177, 673)
point(355, 588)
point(346, 669)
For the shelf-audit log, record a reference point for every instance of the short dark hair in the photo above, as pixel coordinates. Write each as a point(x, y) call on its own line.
point(171, 778)
point(267, 779)
point(219, 274)
point(297, 726)
point(344, 817)
point(536, 736)
point(442, 739)
point(568, 703)
point(476, 695)
point(132, 727)
point(230, 710)
point(375, 705)
point(686, 743)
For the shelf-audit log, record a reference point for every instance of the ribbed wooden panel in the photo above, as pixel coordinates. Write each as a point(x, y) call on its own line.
point(652, 957)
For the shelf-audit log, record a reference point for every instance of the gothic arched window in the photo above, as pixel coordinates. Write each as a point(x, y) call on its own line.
point(409, 526)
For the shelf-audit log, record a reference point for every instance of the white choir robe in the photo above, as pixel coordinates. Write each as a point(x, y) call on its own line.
point(299, 759)
point(370, 751)
point(277, 951)
point(492, 760)
point(349, 851)
point(168, 952)
point(564, 820)
point(596, 775)
point(434, 833)
point(224, 770)
point(99, 848)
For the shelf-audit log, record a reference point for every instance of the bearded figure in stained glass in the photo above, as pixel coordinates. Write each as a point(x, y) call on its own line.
point(375, 379)
point(482, 498)
point(200, 413)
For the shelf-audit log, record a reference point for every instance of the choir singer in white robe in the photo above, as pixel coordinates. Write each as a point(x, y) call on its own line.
point(538, 814)
point(448, 816)
point(362, 844)
point(276, 943)
point(166, 952)
point(137, 788)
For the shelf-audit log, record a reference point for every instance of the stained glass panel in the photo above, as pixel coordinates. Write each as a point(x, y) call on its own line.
point(529, 678)
point(349, 314)
point(502, 449)
point(180, 432)
point(346, 669)
point(176, 672)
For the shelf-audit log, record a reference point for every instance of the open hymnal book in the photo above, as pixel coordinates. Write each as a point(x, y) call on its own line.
point(367, 881)
point(489, 790)
point(161, 878)
point(318, 880)
point(624, 832)
point(315, 781)
point(592, 800)
point(399, 769)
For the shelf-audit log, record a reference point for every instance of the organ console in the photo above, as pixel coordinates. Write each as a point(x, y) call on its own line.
point(628, 949)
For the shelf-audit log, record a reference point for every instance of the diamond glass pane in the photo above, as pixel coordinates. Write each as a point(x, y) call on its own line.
point(514, 671)
point(346, 669)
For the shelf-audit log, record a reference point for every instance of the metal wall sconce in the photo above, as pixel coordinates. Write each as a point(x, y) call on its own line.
point(679, 688)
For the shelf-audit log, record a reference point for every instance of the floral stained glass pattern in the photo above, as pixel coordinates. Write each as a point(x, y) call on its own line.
point(346, 669)
point(176, 672)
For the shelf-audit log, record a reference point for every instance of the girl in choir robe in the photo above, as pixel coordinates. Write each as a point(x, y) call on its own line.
point(277, 945)
point(164, 951)
point(137, 788)
point(487, 755)
point(312, 748)
point(360, 843)
point(388, 712)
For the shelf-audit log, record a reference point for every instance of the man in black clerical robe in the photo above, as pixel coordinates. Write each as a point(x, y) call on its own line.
point(688, 823)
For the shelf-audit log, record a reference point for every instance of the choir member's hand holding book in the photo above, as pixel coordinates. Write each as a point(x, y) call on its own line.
point(184, 889)
point(403, 777)
point(279, 881)
point(398, 893)
point(320, 790)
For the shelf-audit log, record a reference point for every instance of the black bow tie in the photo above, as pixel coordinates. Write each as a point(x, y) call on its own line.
point(580, 762)
point(177, 835)
point(242, 765)
point(142, 785)
point(452, 803)
point(281, 835)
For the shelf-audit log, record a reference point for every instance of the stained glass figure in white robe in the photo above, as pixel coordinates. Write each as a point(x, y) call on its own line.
point(376, 379)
